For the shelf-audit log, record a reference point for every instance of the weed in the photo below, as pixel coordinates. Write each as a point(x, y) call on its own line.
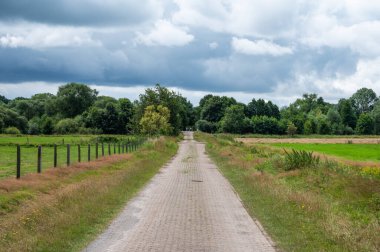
point(300, 159)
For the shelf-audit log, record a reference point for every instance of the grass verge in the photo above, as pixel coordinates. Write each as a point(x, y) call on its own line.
point(63, 209)
point(324, 207)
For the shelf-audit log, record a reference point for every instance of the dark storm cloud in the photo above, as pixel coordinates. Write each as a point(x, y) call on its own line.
point(83, 12)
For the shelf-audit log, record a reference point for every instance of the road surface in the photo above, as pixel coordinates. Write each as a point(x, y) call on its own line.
point(188, 206)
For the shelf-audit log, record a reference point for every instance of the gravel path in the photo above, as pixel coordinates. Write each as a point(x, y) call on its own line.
point(188, 206)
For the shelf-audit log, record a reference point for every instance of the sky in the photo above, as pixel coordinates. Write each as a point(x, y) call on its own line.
point(272, 49)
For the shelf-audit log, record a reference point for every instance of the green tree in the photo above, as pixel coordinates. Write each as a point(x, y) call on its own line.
point(365, 125)
point(347, 114)
point(291, 130)
point(363, 100)
point(177, 105)
point(233, 120)
point(206, 126)
point(265, 125)
point(67, 126)
point(47, 125)
point(155, 120)
point(73, 99)
point(126, 110)
point(215, 107)
point(376, 118)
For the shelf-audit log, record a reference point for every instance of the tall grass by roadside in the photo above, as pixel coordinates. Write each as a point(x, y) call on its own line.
point(300, 159)
point(64, 209)
point(323, 207)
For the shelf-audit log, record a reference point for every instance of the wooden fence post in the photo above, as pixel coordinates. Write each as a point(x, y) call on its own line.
point(39, 156)
point(89, 152)
point(18, 168)
point(96, 151)
point(55, 155)
point(79, 157)
point(68, 155)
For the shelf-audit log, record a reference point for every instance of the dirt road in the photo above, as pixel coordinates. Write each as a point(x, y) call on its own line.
point(188, 206)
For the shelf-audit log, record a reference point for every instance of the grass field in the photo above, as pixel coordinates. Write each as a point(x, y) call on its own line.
point(355, 152)
point(327, 207)
point(64, 209)
point(29, 151)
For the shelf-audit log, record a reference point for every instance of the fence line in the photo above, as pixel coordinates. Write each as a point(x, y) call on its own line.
point(119, 148)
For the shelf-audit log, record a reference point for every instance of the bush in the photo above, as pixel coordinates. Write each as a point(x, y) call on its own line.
point(300, 159)
point(265, 125)
point(12, 131)
point(33, 128)
point(365, 125)
point(206, 126)
point(67, 126)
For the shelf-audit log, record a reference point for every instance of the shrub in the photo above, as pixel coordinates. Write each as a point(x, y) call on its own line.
point(33, 128)
point(67, 126)
point(12, 131)
point(291, 130)
point(206, 126)
point(300, 159)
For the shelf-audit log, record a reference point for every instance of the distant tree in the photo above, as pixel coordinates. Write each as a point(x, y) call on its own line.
point(67, 126)
point(262, 108)
point(47, 125)
point(155, 120)
point(176, 104)
point(215, 107)
point(3, 99)
point(125, 115)
point(365, 125)
point(11, 118)
point(102, 101)
point(363, 100)
point(376, 118)
point(265, 125)
point(291, 130)
point(206, 126)
point(111, 119)
point(347, 114)
point(73, 99)
point(233, 120)
point(309, 127)
point(333, 116)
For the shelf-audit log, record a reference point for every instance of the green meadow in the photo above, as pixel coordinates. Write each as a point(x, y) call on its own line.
point(355, 152)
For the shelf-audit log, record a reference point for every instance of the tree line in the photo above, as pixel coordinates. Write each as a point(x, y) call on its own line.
point(78, 109)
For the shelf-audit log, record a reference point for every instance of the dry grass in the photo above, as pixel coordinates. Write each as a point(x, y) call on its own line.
point(63, 209)
point(328, 208)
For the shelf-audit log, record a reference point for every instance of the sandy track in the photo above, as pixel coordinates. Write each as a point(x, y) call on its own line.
point(189, 206)
point(309, 140)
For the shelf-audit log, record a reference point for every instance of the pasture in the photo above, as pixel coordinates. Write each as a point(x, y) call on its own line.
point(28, 146)
point(354, 152)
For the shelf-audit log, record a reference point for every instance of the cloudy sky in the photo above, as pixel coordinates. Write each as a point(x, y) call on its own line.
point(272, 49)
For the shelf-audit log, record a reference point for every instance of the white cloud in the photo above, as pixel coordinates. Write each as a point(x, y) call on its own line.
point(259, 47)
point(165, 34)
point(213, 45)
point(240, 17)
point(36, 36)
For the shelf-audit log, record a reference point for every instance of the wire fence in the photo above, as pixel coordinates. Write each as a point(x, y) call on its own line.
point(31, 159)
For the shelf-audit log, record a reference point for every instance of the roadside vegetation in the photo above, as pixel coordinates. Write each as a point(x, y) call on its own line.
point(63, 209)
point(305, 203)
